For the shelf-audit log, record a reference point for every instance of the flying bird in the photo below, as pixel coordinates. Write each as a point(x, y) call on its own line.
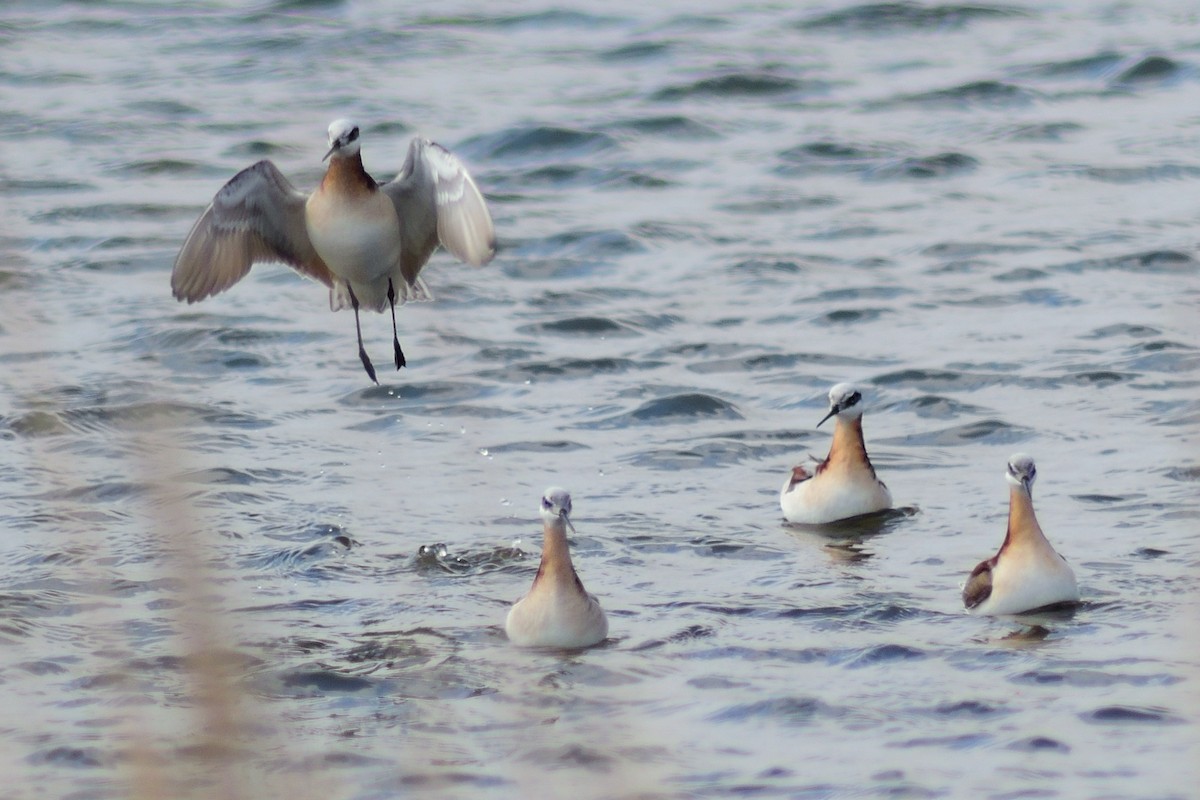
point(365, 240)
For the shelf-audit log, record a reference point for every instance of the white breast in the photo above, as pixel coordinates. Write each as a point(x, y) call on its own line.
point(825, 498)
point(551, 617)
point(1027, 579)
point(359, 240)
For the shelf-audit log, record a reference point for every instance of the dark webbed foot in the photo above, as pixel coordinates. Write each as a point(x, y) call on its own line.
point(367, 365)
point(391, 295)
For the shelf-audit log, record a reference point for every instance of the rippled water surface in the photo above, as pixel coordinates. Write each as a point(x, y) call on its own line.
point(233, 567)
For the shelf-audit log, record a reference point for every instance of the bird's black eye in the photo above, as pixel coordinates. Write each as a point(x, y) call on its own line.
point(353, 134)
point(852, 400)
point(546, 503)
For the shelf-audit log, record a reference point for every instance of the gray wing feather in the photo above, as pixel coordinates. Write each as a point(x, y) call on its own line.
point(437, 202)
point(257, 216)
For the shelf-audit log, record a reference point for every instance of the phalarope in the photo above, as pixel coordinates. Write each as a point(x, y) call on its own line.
point(844, 484)
point(1027, 573)
point(557, 611)
point(366, 241)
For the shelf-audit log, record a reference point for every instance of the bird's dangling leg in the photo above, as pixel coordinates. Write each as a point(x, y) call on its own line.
point(400, 360)
point(362, 351)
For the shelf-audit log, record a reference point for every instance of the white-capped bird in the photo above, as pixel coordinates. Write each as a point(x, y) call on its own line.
point(1027, 573)
point(557, 611)
point(366, 241)
point(844, 484)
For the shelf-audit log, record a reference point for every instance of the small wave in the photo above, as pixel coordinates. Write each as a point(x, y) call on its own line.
point(873, 162)
point(1091, 678)
point(1020, 275)
point(114, 417)
point(1186, 474)
point(571, 254)
point(550, 446)
point(1095, 66)
point(1041, 131)
point(540, 142)
point(170, 167)
point(970, 709)
point(581, 326)
point(675, 126)
point(121, 212)
point(932, 406)
point(70, 757)
point(1124, 329)
point(786, 710)
point(638, 51)
point(1036, 744)
point(566, 368)
point(939, 165)
point(1121, 714)
point(964, 250)
point(164, 108)
point(413, 395)
point(1099, 377)
point(1149, 173)
point(548, 19)
point(1151, 70)
point(921, 376)
point(738, 85)
point(849, 316)
point(709, 455)
point(689, 406)
point(1050, 298)
point(992, 431)
point(1154, 262)
point(320, 682)
point(908, 17)
point(967, 96)
point(774, 201)
point(962, 741)
point(227, 476)
point(832, 156)
point(255, 149)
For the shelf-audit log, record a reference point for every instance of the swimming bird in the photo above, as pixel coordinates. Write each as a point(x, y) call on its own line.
point(1027, 573)
point(557, 611)
point(844, 484)
point(366, 241)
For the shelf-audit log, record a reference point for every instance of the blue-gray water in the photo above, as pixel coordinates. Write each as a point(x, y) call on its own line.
point(987, 215)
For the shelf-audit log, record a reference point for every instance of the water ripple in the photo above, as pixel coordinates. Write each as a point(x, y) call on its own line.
point(908, 17)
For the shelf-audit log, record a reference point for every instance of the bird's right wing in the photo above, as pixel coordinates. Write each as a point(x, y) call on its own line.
point(258, 216)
